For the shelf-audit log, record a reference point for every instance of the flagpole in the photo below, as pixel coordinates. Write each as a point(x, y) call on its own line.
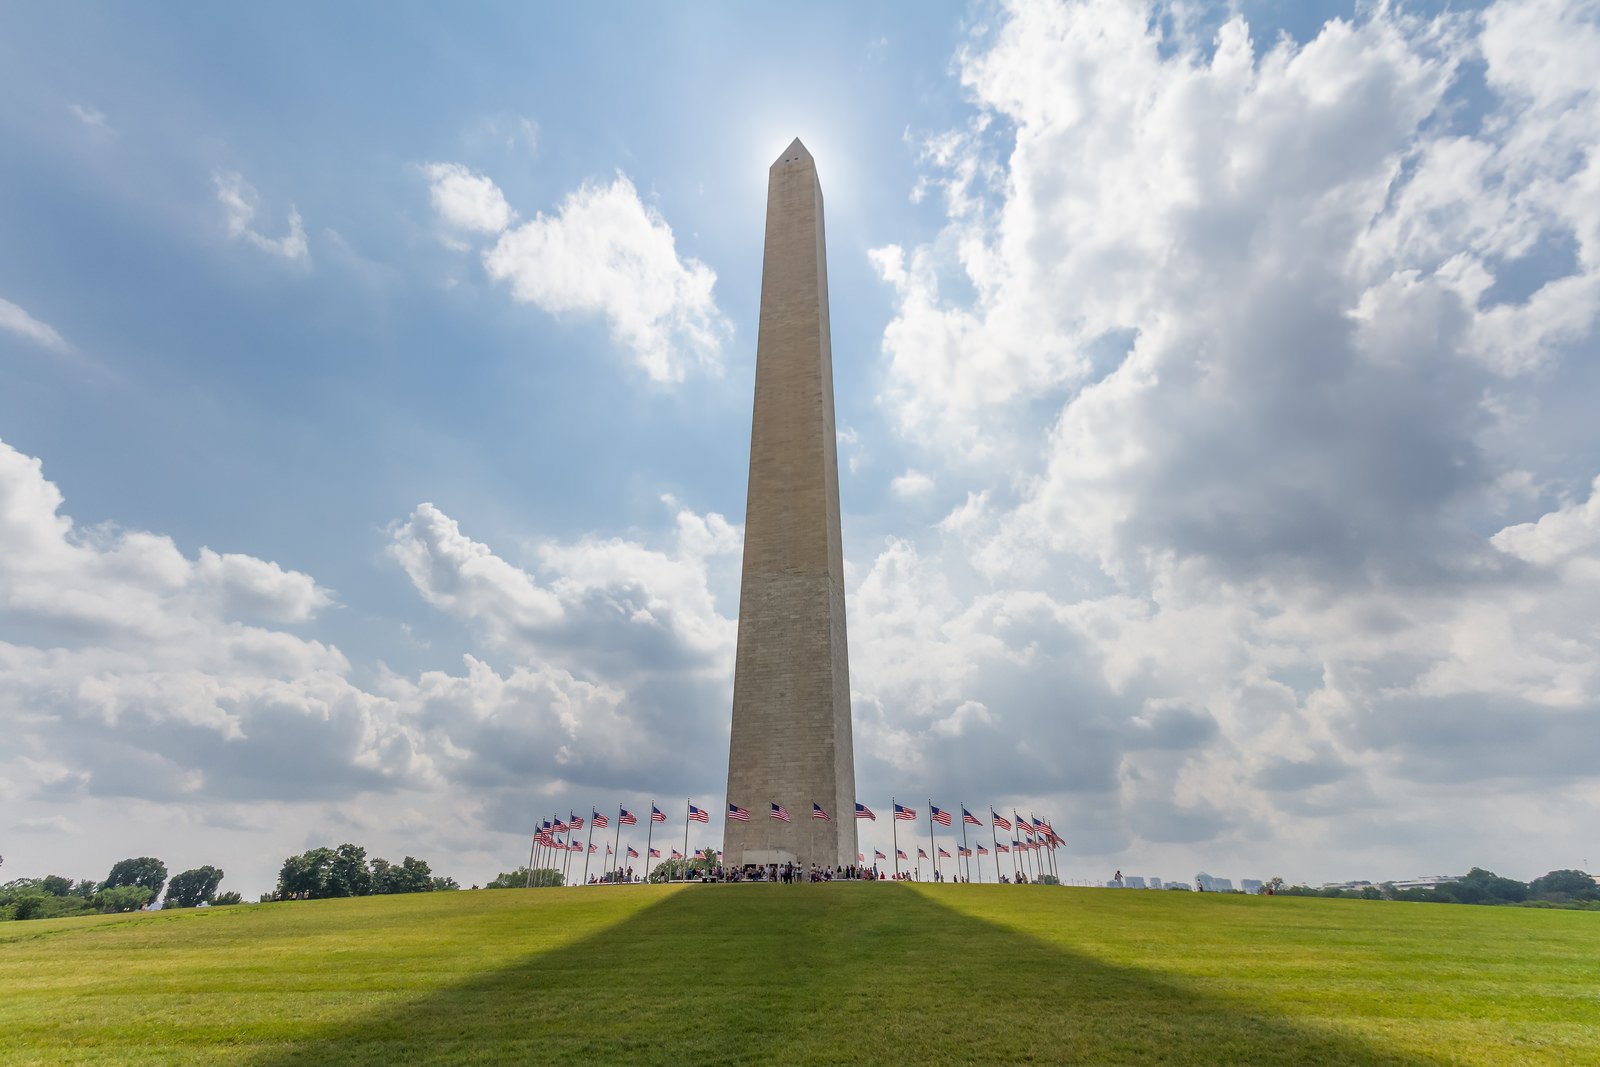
point(811, 833)
point(894, 831)
point(996, 841)
point(963, 807)
point(533, 855)
point(688, 803)
point(1016, 844)
point(566, 858)
point(933, 849)
point(617, 848)
point(587, 844)
point(648, 834)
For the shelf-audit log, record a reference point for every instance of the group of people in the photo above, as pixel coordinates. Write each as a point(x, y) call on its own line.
point(792, 874)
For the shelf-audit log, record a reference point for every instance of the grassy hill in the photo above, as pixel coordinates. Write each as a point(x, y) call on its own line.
point(806, 974)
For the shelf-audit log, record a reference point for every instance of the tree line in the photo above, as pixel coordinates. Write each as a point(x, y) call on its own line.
point(131, 884)
point(1557, 889)
point(321, 873)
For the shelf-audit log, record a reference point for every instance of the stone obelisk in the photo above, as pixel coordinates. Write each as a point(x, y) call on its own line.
point(790, 743)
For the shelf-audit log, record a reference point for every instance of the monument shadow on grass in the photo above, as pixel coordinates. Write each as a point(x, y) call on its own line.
point(820, 977)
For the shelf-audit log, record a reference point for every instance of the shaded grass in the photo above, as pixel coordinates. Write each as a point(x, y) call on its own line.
point(807, 974)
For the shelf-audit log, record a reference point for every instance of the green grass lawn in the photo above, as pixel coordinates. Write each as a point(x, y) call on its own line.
point(806, 974)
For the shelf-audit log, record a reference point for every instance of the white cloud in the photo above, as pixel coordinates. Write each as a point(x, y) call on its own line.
point(911, 485)
point(92, 117)
point(599, 595)
point(466, 200)
point(19, 322)
point(239, 199)
point(605, 252)
point(143, 686)
point(1247, 559)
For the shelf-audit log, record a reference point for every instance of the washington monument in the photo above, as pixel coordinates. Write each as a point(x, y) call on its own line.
point(791, 683)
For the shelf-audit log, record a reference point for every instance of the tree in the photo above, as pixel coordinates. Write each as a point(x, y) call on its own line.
point(143, 870)
point(1565, 885)
point(348, 875)
point(55, 885)
point(440, 884)
point(123, 898)
point(409, 876)
point(518, 878)
point(230, 897)
point(306, 876)
point(193, 887)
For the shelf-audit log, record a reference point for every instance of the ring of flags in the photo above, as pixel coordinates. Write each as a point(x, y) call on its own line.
point(1030, 834)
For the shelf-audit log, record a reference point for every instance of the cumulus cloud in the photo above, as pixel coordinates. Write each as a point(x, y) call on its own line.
point(466, 200)
point(239, 200)
point(1287, 310)
point(135, 675)
point(604, 252)
point(24, 325)
point(911, 484)
point(612, 599)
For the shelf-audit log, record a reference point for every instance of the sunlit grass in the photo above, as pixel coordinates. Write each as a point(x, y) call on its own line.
point(806, 974)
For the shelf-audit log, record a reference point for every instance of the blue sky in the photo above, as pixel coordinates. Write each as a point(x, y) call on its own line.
point(1214, 387)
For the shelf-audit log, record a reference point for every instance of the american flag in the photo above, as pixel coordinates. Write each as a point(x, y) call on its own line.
point(1018, 845)
point(922, 854)
point(577, 823)
point(861, 857)
point(982, 851)
point(600, 821)
point(780, 812)
point(677, 855)
point(698, 814)
point(736, 812)
point(1038, 824)
point(818, 813)
point(944, 854)
point(574, 847)
point(940, 816)
point(559, 827)
point(655, 853)
point(878, 855)
point(542, 836)
point(1002, 823)
point(545, 826)
point(905, 814)
point(864, 812)
point(964, 850)
point(608, 850)
point(593, 849)
point(626, 818)
point(969, 819)
point(901, 853)
point(633, 853)
point(657, 815)
point(1001, 846)
point(719, 853)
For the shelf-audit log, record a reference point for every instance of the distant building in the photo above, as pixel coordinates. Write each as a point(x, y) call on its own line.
point(1133, 881)
point(1222, 885)
point(1155, 883)
point(1427, 882)
point(1205, 883)
point(1250, 885)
